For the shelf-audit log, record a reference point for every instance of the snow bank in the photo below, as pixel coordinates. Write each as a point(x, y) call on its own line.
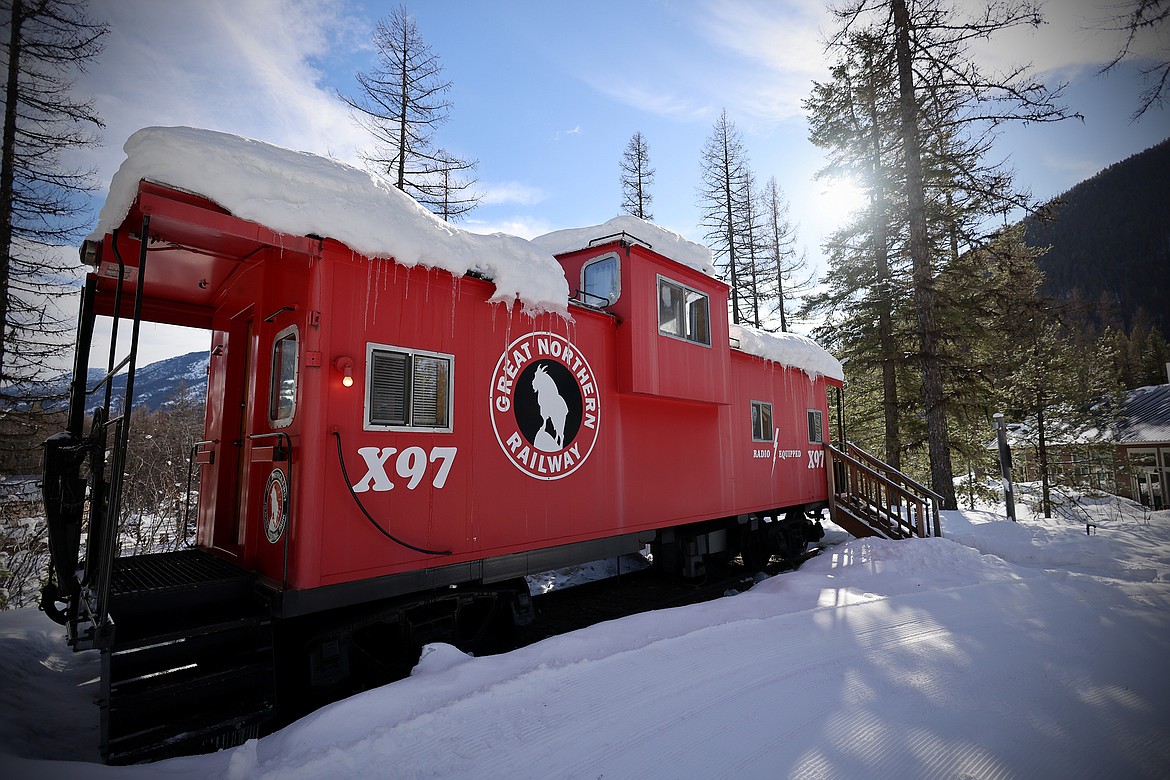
point(1002, 650)
point(661, 240)
point(300, 194)
point(789, 349)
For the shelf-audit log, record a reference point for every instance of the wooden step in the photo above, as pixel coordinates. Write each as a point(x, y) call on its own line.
point(856, 523)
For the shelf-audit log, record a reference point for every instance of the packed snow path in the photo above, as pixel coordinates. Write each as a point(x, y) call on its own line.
point(1003, 651)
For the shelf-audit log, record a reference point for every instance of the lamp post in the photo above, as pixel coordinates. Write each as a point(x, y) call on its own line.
point(1005, 464)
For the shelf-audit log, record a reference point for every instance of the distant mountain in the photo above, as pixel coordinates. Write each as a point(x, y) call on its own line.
point(1111, 238)
point(154, 385)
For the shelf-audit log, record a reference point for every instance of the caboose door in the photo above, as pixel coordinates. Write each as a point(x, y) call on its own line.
point(266, 501)
point(228, 409)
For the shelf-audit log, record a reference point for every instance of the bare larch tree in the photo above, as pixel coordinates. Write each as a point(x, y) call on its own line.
point(43, 204)
point(403, 100)
point(637, 176)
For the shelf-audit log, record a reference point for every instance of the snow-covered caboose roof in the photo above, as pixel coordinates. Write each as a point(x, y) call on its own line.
point(665, 242)
point(789, 349)
point(304, 194)
point(301, 194)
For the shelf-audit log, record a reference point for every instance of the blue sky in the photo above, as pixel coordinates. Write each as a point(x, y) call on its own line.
point(547, 94)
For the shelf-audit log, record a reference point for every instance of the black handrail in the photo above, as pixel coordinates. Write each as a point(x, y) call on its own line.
point(121, 429)
point(118, 313)
point(187, 493)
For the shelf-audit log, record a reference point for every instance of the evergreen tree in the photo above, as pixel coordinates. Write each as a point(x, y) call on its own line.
point(1141, 353)
point(991, 301)
point(939, 86)
point(852, 116)
point(403, 101)
point(637, 176)
point(43, 204)
point(1064, 402)
point(1156, 360)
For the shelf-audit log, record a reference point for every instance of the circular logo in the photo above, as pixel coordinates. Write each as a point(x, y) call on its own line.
point(545, 405)
point(275, 505)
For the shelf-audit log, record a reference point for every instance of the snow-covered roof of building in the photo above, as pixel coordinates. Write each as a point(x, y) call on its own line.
point(789, 349)
point(664, 242)
point(1144, 418)
point(1147, 415)
point(304, 194)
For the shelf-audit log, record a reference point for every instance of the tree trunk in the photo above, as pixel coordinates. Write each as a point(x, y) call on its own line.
point(729, 207)
point(403, 107)
point(886, 344)
point(1042, 454)
point(938, 439)
point(7, 171)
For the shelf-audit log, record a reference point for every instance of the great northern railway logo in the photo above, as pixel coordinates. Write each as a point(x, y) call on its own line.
point(545, 405)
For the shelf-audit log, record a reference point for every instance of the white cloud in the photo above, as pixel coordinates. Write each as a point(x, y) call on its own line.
point(783, 51)
point(754, 57)
point(525, 227)
point(786, 37)
point(238, 67)
point(1069, 39)
point(654, 101)
point(781, 46)
point(496, 193)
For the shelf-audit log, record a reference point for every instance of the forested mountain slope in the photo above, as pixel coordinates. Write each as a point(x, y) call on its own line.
point(1111, 237)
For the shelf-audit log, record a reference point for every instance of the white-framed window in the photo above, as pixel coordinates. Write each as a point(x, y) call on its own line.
point(683, 312)
point(282, 387)
point(408, 389)
point(762, 429)
point(816, 423)
point(601, 280)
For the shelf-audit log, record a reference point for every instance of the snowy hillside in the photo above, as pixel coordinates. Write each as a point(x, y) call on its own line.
point(155, 385)
point(1003, 650)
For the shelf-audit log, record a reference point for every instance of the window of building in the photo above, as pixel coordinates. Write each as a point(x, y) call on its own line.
point(282, 390)
point(816, 422)
point(601, 281)
point(408, 388)
point(683, 313)
point(761, 421)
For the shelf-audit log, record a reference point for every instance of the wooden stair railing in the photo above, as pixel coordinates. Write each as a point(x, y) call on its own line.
point(869, 498)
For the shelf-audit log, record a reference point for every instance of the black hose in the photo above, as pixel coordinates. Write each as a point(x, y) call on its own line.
point(373, 522)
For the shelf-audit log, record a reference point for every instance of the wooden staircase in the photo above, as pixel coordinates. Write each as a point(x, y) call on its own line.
point(869, 498)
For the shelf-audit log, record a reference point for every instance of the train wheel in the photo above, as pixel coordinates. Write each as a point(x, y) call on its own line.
point(486, 626)
point(753, 549)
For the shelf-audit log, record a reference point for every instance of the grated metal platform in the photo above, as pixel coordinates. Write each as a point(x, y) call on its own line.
point(171, 571)
point(176, 582)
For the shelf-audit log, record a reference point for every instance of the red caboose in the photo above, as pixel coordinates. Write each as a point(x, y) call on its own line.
point(403, 420)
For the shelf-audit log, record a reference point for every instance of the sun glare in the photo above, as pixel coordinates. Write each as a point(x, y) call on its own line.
point(840, 198)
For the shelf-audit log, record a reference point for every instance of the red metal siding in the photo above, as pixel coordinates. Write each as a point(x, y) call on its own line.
point(663, 426)
point(791, 469)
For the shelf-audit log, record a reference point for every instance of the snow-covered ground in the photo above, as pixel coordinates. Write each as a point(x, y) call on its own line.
point(1005, 650)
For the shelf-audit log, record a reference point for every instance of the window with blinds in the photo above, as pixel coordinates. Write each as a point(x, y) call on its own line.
point(816, 425)
point(408, 389)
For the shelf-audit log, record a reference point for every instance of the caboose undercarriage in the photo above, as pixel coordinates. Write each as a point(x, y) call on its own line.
point(199, 654)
